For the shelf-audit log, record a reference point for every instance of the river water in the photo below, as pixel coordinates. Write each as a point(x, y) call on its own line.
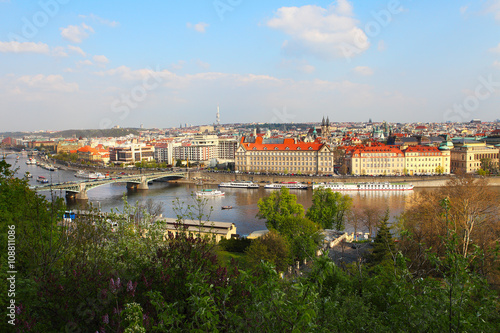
point(243, 201)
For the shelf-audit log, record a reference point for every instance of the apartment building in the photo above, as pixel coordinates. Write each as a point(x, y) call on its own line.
point(226, 148)
point(164, 153)
point(131, 153)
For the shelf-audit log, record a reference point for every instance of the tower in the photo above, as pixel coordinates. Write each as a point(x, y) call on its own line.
point(217, 117)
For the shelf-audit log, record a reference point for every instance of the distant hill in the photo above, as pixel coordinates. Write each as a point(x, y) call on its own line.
point(87, 133)
point(93, 133)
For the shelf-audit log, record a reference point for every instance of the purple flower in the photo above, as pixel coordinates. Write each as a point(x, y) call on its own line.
point(130, 286)
point(105, 319)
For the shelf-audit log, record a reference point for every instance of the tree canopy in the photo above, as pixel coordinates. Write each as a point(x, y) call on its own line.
point(329, 208)
point(278, 207)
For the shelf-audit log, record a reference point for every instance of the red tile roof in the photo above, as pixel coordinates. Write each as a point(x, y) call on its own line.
point(288, 144)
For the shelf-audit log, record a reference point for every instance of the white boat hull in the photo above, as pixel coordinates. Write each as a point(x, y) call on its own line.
point(365, 187)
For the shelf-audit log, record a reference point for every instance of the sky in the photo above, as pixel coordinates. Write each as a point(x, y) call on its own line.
point(69, 64)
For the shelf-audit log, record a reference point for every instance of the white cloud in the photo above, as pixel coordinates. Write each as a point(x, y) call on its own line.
point(496, 64)
point(324, 32)
point(494, 8)
point(298, 65)
point(59, 51)
point(49, 83)
point(178, 65)
point(202, 64)
point(75, 33)
point(200, 27)
point(496, 49)
point(84, 63)
point(100, 59)
point(381, 46)
point(101, 20)
point(76, 49)
point(463, 9)
point(24, 47)
point(363, 70)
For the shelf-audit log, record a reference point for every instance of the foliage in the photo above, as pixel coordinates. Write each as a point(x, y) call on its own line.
point(303, 235)
point(329, 208)
point(278, 207)
point(466, 207)
point(383, 245)
point(235, 244)
point(272, 248)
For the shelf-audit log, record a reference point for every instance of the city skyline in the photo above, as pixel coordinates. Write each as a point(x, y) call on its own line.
point(74, 65)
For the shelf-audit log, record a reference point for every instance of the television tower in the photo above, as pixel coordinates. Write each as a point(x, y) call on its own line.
point(217, 118)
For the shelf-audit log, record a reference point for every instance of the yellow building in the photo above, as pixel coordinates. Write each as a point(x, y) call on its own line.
point(426, 160)
point(376, 160)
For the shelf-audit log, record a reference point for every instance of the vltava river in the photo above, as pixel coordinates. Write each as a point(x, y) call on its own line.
point(244, 201)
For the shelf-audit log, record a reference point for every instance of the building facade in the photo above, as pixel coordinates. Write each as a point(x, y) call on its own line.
point(468, 156)
point(131, 154)
point(383, 160)
point(426, 160)
point(377, 160)
point(283, 155)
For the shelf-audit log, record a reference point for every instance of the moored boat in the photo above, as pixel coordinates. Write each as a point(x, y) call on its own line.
point(209, 193)
point(89, 175)
point(31, 161)
point(289, 185)
point(42, 179)
point(227, 207)
point(242, 184)
point(385, 186)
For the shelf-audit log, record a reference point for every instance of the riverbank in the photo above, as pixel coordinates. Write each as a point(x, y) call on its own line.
point(215, 178)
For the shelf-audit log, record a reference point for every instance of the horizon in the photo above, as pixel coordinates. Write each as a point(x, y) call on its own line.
point(161, 64)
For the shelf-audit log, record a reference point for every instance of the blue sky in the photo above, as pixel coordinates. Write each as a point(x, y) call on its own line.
point(68, 64)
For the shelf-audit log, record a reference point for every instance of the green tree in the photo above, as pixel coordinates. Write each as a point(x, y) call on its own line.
point(303, 235)
point(278, 207)
point(178, 163)
point(329, 208)
point(271, 247)
point(383, 245)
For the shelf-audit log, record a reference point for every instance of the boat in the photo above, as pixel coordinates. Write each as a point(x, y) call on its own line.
point(209, 193)
point(289, 185)
point(242, 184)
point(42, 179)
point(227, 207)
point(31, 161)
point(365, 186)
point(89, 175)
point(29, 175)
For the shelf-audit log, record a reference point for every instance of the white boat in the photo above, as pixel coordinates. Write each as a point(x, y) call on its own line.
point(89, 175)
point(31, 161)
point(365, 186)
point(242, 184)
point(42, 179)
point(29, 175)
point(289, 185)
point(209, 193)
